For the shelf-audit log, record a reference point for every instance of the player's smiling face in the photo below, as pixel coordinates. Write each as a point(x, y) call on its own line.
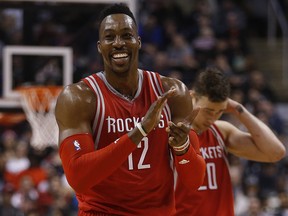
point(119, 43)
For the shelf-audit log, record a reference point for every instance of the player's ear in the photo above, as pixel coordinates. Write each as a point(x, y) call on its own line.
point(192, 93)
point(99, 47)
point(193, 96)
point(139, 41)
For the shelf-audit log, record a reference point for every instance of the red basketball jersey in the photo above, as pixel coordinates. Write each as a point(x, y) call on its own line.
point(215, 196)
point(143, 184)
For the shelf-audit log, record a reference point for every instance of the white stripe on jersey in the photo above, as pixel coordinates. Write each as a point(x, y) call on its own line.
point(221, 142)
point(100, 101)
point(154, 81)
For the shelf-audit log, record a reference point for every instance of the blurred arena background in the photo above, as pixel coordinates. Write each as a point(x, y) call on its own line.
point(47, 44)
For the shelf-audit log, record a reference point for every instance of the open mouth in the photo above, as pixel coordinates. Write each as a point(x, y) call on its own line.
point(120, 58)
point(119, 55)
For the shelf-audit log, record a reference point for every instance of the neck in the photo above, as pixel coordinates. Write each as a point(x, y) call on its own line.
point(126, 85)
point(196, 130)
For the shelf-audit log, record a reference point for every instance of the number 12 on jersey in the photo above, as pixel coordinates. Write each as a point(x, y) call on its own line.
point(144, 145)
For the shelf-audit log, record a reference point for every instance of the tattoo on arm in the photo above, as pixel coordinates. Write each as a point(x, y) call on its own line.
point(240, 109)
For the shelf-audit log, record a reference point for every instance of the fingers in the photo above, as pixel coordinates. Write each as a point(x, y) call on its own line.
point(178, 129)
point(163, 98)
point(153, 115)
point(169, 93)
point(177, 133)
point(233, 107)
point(190, 118)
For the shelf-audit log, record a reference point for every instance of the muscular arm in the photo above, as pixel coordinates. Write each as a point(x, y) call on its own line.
point(75, 110)
point(258, 144)
point(84, 167)
point(189, 164)
point(180, 104)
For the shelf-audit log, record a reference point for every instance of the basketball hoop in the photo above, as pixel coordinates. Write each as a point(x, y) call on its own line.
point(38, 103)
point(11, 119)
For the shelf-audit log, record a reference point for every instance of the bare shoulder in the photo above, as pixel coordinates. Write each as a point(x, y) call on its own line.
point(75, 108)
point(180, 104)
point(75, 96)
point(169, 82)
point(225, 127)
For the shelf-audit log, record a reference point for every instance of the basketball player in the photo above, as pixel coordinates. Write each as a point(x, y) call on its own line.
point(218, 138)
point(119, 130)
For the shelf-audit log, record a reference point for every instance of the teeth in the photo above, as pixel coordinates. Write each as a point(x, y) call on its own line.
point(120, 55)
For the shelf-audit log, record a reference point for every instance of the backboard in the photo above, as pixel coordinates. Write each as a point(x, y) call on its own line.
point(64, 52)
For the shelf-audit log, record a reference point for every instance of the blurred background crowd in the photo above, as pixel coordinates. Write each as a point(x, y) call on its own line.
point(179, 38)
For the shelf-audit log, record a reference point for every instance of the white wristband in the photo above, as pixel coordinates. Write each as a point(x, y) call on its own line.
point(182, 147)
point(140, 128)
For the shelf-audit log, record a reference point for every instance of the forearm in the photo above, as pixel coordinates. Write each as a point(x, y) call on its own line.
point(191, 166)
point(84, 167)
point(256, 127)
point(262, 136)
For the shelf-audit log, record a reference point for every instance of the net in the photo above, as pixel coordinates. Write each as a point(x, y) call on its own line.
point(38, 103)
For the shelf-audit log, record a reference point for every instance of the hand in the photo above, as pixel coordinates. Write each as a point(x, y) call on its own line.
point(234, 107)
point(178, 133)
point(152, 117)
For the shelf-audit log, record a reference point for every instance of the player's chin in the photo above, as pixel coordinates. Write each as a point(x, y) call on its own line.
point(204, 127)
point(121, 70)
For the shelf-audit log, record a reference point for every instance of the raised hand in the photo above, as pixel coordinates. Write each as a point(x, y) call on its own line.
point(152, 117)
point(178, 132)
point(233, 107)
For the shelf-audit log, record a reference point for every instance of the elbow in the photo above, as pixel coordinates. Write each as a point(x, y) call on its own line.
point(77, 186)
point(200, 172)
point(280, 154)
point(197, 183)
point(198, 177)
point(193, 184)
point(77, 178)
point(201, 177)
point(77, 183)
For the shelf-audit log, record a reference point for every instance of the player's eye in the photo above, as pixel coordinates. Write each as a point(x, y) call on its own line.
point(127, 35)
point(109, 37)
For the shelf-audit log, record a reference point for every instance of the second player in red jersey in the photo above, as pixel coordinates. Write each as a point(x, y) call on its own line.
point(219, 138)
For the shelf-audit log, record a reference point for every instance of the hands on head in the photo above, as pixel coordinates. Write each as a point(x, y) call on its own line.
point(234, 107)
